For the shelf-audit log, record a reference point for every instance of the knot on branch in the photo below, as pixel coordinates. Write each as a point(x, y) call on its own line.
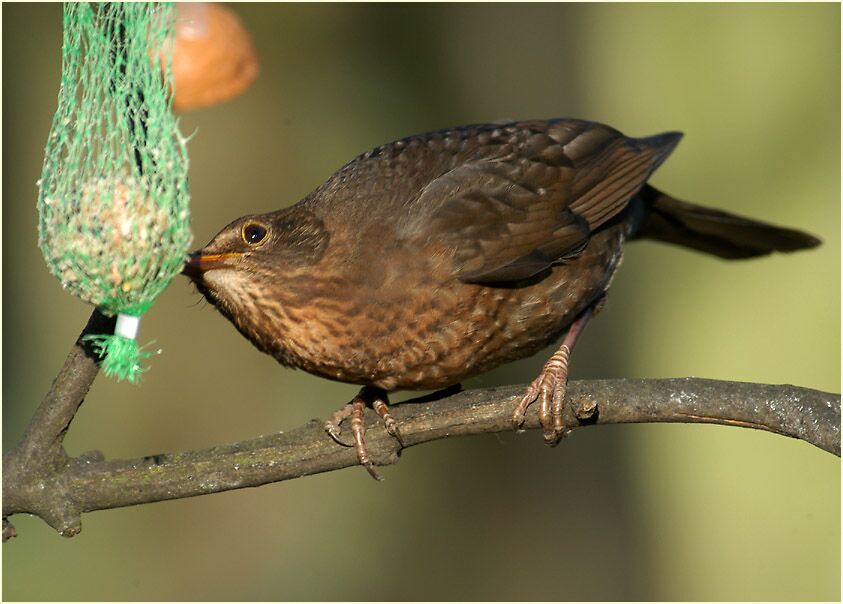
point(42, 490)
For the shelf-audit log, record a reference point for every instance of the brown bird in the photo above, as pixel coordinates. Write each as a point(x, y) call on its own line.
point(440, 256)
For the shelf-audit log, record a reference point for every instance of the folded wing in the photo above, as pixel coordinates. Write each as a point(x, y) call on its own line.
point(539, 200)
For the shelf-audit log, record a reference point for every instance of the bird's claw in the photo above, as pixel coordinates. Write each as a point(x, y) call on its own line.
point(549, 389)
point(382, 409)
point(333, 428)
point(375, 398)
point(552, 384)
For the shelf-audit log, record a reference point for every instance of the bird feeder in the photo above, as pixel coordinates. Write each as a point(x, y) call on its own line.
point(113, 195)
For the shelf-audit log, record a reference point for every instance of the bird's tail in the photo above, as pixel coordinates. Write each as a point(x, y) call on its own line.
point(714, 231)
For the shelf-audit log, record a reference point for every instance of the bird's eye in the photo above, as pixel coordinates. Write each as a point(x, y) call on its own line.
point(253, 234)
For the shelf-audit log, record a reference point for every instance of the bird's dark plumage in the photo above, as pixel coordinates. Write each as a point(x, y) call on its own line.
point(440, 256)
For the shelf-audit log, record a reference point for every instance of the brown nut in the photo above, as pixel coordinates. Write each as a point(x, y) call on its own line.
point(213, 57)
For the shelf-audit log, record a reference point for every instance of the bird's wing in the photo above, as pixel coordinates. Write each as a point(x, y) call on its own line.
point(513, 216)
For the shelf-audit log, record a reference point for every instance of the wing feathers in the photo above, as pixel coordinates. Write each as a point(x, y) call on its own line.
point(512, 216)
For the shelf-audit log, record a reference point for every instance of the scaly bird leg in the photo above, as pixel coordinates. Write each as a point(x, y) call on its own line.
point(551, 384)
point(367, 397)
point(358, 428)
point(382, 409)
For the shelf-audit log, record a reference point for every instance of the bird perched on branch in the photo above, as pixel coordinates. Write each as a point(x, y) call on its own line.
point(440, 256)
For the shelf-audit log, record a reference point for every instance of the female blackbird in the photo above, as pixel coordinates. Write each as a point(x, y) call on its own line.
point(440, 256)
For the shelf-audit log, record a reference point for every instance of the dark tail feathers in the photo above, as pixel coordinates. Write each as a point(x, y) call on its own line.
point(714, 231)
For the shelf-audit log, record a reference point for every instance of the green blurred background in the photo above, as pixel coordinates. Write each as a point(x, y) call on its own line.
point(618, 512)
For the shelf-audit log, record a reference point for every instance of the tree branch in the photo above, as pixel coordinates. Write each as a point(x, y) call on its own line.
point(45, 434)
point(59, 489)
point(40, 453)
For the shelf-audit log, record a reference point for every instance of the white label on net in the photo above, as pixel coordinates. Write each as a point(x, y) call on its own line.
point(127, 326)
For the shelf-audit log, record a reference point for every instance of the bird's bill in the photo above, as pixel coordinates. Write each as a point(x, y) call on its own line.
point(199, 263)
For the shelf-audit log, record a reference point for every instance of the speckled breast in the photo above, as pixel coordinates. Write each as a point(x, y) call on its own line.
point(419, 329)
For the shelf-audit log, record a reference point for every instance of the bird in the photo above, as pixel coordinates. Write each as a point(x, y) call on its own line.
point(440, 256)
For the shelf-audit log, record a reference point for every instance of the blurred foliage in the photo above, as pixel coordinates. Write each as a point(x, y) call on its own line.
point(621, 512)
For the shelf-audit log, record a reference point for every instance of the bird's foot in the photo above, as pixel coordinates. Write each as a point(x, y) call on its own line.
point(332, 424)
point(549, 389)
point(367, 397)
point(552, 384)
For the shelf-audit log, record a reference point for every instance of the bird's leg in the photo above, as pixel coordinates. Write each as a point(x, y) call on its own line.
point(382, 409)
point(551, 384)
point(357, 429)
point(367, 397)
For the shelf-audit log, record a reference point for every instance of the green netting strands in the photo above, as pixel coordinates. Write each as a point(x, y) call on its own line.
point(113, 202)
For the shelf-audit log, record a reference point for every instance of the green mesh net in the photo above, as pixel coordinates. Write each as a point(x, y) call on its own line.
point(113, 201)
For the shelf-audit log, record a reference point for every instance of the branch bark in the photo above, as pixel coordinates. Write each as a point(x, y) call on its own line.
point(41, 479)
point(40, 457)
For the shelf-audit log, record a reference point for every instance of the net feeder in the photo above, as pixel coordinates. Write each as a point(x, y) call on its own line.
point(113, 195)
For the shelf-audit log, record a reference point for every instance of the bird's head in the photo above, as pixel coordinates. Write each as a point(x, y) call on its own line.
point(258, 247)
